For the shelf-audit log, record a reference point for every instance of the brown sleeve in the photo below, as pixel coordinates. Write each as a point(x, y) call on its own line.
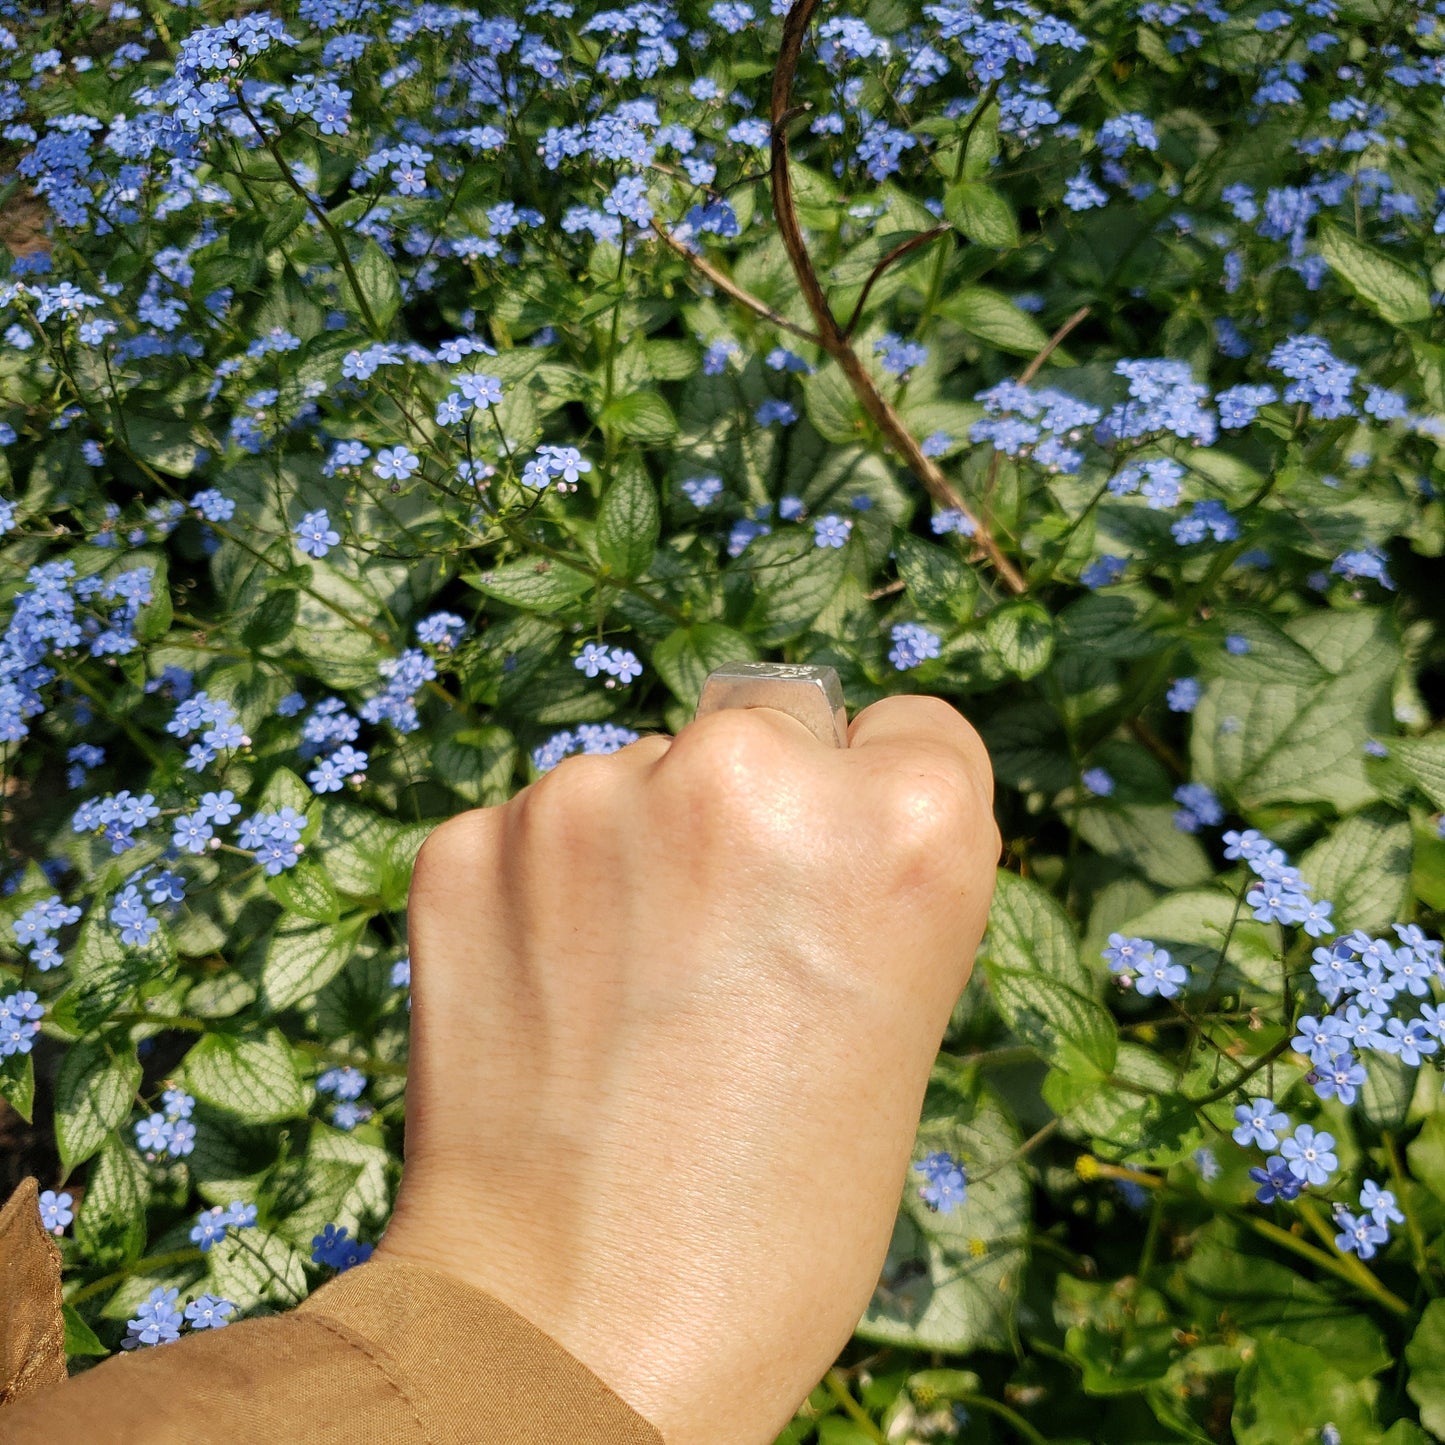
point(386, 1354)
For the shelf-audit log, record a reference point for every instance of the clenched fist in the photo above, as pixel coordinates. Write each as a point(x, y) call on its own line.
point(673, 1016)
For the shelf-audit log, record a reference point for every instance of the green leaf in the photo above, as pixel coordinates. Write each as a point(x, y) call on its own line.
point(1110, 624)
point(283, 221)
point(1286, 1393)
point(478, 764)
point(1424, 760)
point(641, 416)
point(80, 1339)
point(1273, 656)
point(1385, 1095)
point(103, 973)
point(939, 584)
point(1394, 291)
point(376, 277)
point(831, 405)
point(1425, 1355)
point(1022, 634)
point(1192, 925)
point(17, 1084)
point(1028, 930)
point(1066, 1028)
point(1266, 1299)
point(684, 658)
point(111, 1224)
point(304, 957)
point(536, 586)
point(304, 1195)
point(981, 213)
point(1287, 742)
point(273, 620)
point(951, 1281)
point(1363, 866)
point(1030, 958)
point(253, 1078)
point(629, 522)
point(262, 1269)
point(1427, 1155)
point(992, 317)
point(794, 582)
point(167, 445)
point(1143, 836)
point(305, 890)
point(94, 1091)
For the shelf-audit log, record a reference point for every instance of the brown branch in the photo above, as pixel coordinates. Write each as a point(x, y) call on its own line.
point(1052, 345)
point(731, 287)
point(922, 239)
point(830, 337)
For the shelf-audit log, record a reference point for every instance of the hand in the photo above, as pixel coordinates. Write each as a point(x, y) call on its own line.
point(674, 1011)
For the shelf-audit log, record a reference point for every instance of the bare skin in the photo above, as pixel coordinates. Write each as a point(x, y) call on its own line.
point(673, 1017)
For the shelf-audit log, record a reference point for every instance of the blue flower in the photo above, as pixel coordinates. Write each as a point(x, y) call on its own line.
point(1309, 1156)
point(333, 1248)
point(55, 1211)
point(393, 464)
point(1158, 975)
point(209, 1312)
point(945, 1186)
point(1359, 1234)
point(1277, 1181)
point(315, 534)
point(1259, 1122)
point(1098, 782)
point(913, 645)
point(899, 356)
point(1183, 695)
point(157, 1321)
point(831, 531)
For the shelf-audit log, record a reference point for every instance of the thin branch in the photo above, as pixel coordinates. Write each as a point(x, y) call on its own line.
point(830, 337)
point(922, 239)
point(1052, 345)
point(726, 284)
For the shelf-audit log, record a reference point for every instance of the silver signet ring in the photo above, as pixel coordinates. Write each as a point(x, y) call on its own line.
point(813, 695)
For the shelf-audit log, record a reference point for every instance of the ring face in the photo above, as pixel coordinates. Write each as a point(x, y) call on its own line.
point(813, 695)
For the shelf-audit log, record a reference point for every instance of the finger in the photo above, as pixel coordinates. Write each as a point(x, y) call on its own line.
point(746, 727)
point(910, 724)
point(647, 749)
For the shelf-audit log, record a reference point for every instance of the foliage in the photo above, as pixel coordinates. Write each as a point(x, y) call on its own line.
point(405, 396)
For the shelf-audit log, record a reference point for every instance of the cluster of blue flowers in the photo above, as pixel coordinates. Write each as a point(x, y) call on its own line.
point(211, 1224)
point(945, 1182)
point(55, 617)
point(168, 1131)
point(336, 1250)
point(158, 1321)
point(585, 738)
point(618, 663)
point(347, 1085)
point(20, 1015)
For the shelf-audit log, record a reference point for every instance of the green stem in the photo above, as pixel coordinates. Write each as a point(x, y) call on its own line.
point(141, 1266)
point(1017, 1421)
point(365, 1062)
point(1423, 1265)
point(855, 1412)
point(322, 220)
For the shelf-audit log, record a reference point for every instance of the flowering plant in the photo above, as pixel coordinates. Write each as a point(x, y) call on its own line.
point(397, 398)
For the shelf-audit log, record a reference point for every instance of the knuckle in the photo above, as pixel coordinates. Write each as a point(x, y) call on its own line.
point(451, 846)
point(725, 749)
point(570, 799)
point(932, 815)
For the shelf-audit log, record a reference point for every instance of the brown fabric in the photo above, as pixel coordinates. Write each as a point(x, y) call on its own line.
point(386, 1354)
point(32, 1333)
